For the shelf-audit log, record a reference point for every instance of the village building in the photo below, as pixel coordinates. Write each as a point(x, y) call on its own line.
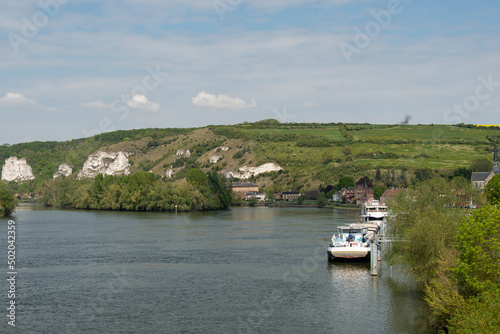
point(361, 192)
point(348, 194)
point(337, 196)
point(259, 196)
point(481, 179)
point(245, 187)
point(390, 194)
point(287, 196)
point(290, 196)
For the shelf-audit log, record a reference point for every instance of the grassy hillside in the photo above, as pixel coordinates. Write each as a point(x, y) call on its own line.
point(311, 153)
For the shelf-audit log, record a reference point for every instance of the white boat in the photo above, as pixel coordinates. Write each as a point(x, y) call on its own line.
point(373, 212)
point(352, 242)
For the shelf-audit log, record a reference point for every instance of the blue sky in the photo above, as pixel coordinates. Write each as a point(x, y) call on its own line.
point(94, 66)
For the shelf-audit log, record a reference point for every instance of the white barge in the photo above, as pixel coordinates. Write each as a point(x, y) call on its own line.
point(373, 212)
point(352, 242)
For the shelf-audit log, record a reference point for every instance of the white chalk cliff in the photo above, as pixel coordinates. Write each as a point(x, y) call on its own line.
point(112, 163)
point(169, 173)
point(247, 172)
point(17, 170)
point(183, 153)
point(221, 148)
point(215, 158)
point(64, 170)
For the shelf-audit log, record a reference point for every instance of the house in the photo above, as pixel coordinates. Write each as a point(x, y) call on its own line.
point(364, 190)
point(290, 196)
point(481, 179)
point(348, 194)
point(337, 196)
point(260, 197)
point(244, 187)
point(390, 194)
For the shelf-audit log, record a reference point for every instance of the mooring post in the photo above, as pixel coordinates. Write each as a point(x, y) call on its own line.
point(374, 259)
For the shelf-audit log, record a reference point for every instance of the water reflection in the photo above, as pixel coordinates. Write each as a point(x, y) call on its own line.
point(392, 302)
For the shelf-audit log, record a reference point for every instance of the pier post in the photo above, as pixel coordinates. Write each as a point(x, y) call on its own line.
point(374, 259)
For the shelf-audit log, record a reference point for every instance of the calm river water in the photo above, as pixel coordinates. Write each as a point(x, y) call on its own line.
point(247, 270)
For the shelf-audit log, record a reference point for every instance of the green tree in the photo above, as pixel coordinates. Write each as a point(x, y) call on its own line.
point(197, 177)
point(424, 224)
point(481, 165)
point(300, 200)
point(322, 200)
point(463, 172)
point(378, 175)
point(478, 315)
point(8, 202)
point(221, 189)
point(378, 191)
point(478, 242)
point(347, 150)
point(422, 174)
point(345, 182)
point(252, 201)
point(492, 190)
point(327, 157)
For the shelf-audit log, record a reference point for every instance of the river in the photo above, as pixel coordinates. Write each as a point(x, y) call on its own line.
point(246, 270)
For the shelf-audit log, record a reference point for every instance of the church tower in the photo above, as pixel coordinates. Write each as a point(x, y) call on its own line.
point(496, 170)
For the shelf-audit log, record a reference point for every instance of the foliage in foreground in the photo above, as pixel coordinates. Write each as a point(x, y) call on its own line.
point(479, 315)
point(138, 192)
point(455, 256)
point(8, 202)
point(425, 222)
point(492, 190)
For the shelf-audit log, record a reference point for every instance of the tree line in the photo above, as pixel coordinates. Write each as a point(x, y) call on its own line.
point(139, 192)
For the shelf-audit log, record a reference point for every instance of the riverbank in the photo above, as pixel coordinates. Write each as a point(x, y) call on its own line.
point(305, 204)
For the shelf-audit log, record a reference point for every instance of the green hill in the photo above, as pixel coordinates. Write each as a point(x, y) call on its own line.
point(311, 154)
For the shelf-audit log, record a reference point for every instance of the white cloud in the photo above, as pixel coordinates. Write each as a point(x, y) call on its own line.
point(15, 99)
point(204, 99)
point(141, 102)
point(99, 104)
point(19, 100)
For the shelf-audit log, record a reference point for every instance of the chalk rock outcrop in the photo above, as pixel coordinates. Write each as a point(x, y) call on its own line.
point(64, 170)
point(247, 172)
point(215, 158)
point(183, 153)
point(169, 173)
point(221, 148)
point(112, 163)
point(17, 170)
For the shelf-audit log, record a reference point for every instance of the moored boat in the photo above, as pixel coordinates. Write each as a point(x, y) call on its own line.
point(352, 242)
point(373, 212)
